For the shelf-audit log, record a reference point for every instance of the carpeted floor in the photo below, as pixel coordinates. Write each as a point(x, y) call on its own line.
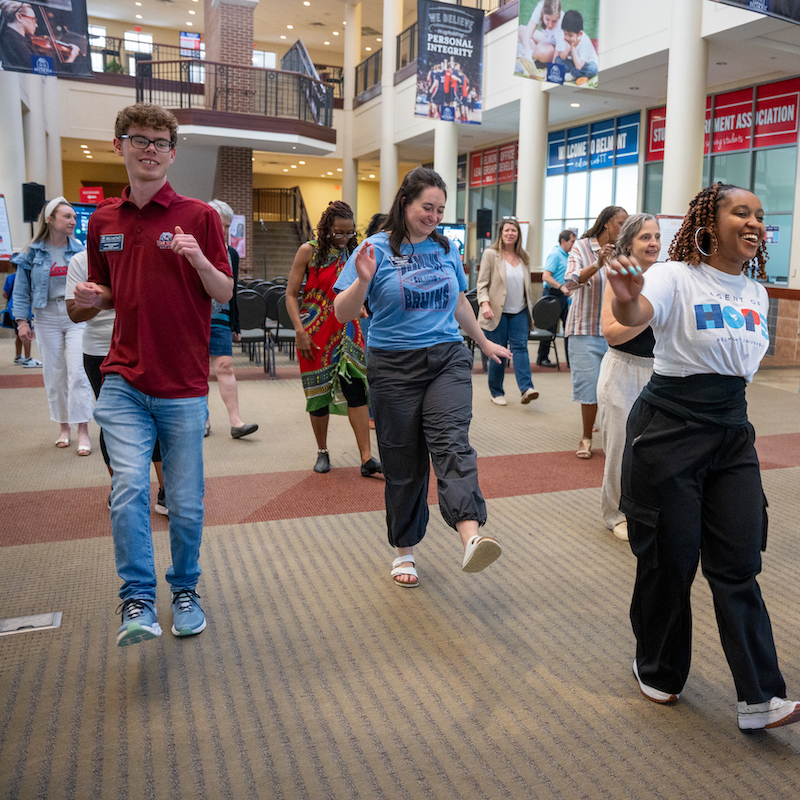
point(318, 678)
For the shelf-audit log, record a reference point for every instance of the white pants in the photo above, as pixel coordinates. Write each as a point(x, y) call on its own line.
point(622, 378)
point(69, 393)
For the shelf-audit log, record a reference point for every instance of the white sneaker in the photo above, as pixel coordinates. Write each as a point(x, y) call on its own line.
point(621, 530)
point(20, 360)
point(32, 362)
point(500, 400)
point(774, 714)
point(656, 695)
point(528, 395)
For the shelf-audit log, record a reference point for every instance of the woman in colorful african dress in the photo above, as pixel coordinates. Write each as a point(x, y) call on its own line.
point(331, 354)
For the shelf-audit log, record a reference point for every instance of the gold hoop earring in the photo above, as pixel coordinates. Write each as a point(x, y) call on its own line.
point(697, 242)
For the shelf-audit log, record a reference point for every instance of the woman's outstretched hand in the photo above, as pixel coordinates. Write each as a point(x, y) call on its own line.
point(625, 277)
point(365, 262)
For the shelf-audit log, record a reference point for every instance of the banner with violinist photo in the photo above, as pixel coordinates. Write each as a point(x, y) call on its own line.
point(449, 62)
point(48, 37)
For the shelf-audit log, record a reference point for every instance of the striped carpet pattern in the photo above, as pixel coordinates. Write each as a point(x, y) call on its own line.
point(318, 678)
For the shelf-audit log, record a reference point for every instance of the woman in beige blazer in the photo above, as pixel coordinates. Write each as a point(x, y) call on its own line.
point(504, 295)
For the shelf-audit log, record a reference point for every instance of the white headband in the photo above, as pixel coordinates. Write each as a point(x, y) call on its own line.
point(52, 206)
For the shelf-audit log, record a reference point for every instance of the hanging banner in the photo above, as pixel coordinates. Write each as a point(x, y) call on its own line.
point(783, 9)
point(557, 43)
point(449, 62)
point(48, 37)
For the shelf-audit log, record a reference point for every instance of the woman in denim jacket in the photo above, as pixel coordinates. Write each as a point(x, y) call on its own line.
point(39, 289)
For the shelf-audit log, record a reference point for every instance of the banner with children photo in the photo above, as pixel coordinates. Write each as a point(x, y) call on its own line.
point(558, 41)
point(449, 62)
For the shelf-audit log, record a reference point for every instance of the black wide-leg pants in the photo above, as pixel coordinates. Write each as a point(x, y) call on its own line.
point(692, 490)
point(422, 404)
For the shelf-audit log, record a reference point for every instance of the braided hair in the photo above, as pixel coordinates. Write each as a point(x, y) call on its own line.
point(702, 215)
point(337, 209)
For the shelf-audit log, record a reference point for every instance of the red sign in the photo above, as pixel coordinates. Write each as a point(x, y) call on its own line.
point(733, 120)
point(490, 167)
point(707, 140)
point(507, 169)
point(91, 194)
point(476, 170)
point(777, 113)
point(656, 130)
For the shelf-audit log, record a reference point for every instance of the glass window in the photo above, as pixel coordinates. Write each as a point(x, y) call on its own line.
point(780, 251)
point(576, 194)
point(601, 190)
point(474, 202)
point(264, 59)
point(550, 232)
point(578, 225)
point(774, 178)
point(554, 197)
point(732, 168)
point(505, 200)
point(136, 42)
point(97, 36)
point(706, 168)
point(461, 198)
point(653, 181)
point(627, 191)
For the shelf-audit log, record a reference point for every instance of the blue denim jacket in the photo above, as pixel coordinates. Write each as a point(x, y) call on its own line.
point(33, 276)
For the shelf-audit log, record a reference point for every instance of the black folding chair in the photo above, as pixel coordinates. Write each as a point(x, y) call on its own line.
point(252, 321)
point(546, 314)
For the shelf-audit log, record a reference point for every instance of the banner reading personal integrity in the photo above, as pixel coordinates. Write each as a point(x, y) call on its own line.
point(558, 41)
point(449, 62)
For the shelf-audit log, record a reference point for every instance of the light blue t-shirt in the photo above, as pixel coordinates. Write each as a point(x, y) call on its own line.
point(413, 296)
point(556, 263)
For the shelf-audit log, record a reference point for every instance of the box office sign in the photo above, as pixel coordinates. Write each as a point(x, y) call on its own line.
point(764, 116)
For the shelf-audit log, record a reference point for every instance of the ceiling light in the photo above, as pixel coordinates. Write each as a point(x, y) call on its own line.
point(190, 24)
point(85, 146)
point(330, 173)
point(88, 156)
point(138, 16)
point(286, 170)
point(338, 169)
point(371, 175)
point(575, 105)
point(192, 12)
point(283, 37)
point(336, 33)
point(252, 159)
point(326, 43)
point(137, 4)
point(368, 49)
point(301, 162)
point(379, 39)
point(306, 3)
point(294, 166)
point(290, 27)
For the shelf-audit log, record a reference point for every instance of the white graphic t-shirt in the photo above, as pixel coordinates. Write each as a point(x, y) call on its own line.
point(706, 321)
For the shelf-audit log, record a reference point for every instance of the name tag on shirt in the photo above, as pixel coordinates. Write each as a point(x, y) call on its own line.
point(111, 242)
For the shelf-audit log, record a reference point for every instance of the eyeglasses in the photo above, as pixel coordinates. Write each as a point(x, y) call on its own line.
point(142, 143)
point(513, 219)
point(343, 235)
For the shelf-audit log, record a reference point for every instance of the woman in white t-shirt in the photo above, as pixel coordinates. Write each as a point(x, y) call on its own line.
point(690, 473)
point(504, 295)
point(39, 292)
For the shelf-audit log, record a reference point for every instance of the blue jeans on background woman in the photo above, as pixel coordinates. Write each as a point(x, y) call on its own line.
point(511, 330)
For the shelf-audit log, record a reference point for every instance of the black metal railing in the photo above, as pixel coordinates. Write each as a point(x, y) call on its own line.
point(407, 46)
point(283, 205)
point(242, 90)
point(368, 73)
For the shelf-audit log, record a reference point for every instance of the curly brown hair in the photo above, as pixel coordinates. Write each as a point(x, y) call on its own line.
point(702, 214)
point(337, 209)
point(146, 115)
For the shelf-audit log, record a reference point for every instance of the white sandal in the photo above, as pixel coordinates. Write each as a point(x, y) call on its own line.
point(398, 569)
point(480, 552)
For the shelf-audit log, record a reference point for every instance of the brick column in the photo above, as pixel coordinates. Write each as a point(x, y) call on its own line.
point(229, 40)
point(233, 183)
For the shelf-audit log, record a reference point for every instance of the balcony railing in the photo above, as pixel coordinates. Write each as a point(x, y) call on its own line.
point(241, 90)
point(368, 73)
point(284, 205)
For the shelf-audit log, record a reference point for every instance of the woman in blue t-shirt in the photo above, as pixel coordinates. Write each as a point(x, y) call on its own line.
point(419, 371)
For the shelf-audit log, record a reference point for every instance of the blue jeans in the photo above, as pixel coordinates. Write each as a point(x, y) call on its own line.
point(131, 421)
point(588, 70)
point(511, 330)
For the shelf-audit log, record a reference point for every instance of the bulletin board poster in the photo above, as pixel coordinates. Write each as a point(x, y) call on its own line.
point(782, 9)
point(558, 41)
point(669, 225)
point(6, 250)
point(47, 37)
point(449, 62)
point(236, 236)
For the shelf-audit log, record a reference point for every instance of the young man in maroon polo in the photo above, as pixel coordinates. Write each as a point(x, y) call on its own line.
point(158, 258)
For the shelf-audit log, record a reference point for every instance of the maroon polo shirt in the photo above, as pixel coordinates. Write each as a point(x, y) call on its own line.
point(161, 332)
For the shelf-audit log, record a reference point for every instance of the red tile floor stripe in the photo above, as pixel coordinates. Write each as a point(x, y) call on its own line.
point(27, 517)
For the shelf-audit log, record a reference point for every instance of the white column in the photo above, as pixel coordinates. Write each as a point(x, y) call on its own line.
point(445, 162)
point(392, 27)
point(34, 125)
point(687, 87)
point(12, 167)
point(352, 57)
point(55, 174)
point(534, 105)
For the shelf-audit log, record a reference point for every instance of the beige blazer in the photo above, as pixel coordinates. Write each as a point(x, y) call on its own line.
point(491, 286)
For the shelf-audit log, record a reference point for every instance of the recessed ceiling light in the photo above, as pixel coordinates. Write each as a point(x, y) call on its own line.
point(330, 173)
point(286, 170)
point(575, 105)
point(371, 175)
point(88, 156)
point(137, 4)
point(379, 39)
point(326, 43)
point(85, 146)
point(338, 169)
point(283, 37)
point(252, 159)
point(368, 49)
point(301, 162)
point(336, 33)
point(306, 3)
point(138, 16)
point(192, 12)
point(290, 27)
point(294, 166)
point(190, 24)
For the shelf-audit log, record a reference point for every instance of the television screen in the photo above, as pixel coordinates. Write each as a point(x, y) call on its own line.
point(456, 233)
point(82, 212)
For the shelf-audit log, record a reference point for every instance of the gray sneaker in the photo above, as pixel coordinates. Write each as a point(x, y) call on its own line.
point(188, 618)
point(139, 621)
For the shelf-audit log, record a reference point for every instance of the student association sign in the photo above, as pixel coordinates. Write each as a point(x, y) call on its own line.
point(449, 62)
